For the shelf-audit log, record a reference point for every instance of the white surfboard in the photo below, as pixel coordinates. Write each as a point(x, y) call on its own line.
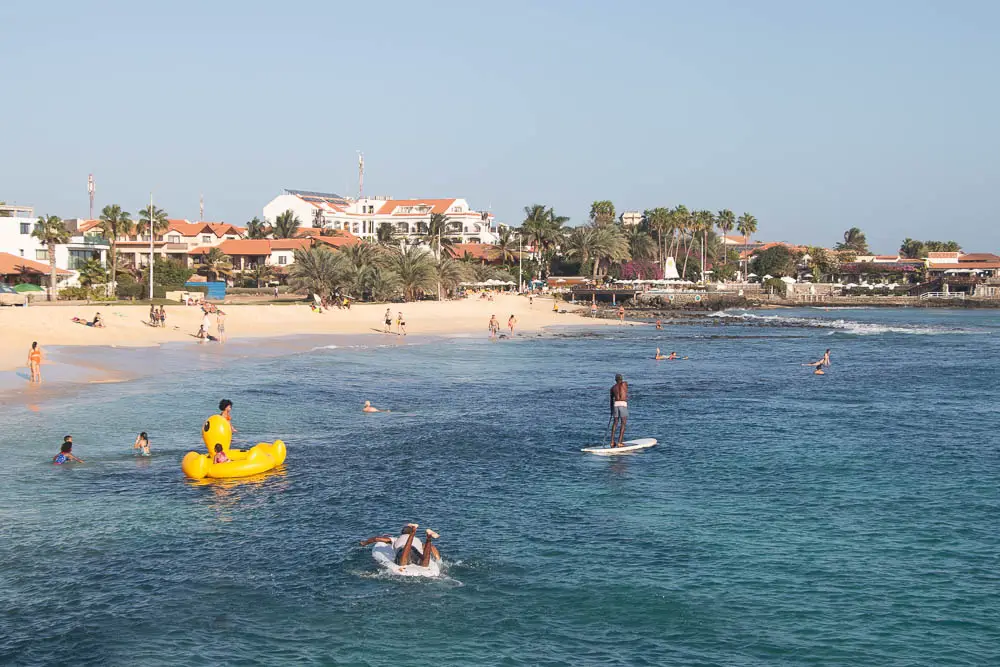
point(385, 556)
point(630, 447)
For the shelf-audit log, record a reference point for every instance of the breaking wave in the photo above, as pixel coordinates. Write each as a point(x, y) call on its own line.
point(842, 325)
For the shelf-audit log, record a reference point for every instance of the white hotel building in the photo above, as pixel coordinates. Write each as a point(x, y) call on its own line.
point(16, 225)
point(363, 217)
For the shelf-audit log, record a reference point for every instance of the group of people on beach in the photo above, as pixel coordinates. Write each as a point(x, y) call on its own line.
point(400, 322)
point(494, 325)
point(157, 316)
point(97, 322)
point(206, 324)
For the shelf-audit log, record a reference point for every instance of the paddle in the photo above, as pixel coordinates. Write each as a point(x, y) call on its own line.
point(604, 440)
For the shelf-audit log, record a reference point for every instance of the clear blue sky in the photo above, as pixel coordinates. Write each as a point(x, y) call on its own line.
point(812, 116)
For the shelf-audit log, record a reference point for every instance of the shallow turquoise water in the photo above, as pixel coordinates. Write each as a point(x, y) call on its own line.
point(784, 519)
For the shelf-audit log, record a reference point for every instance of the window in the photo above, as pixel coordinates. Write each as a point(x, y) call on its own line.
point(77, 258)
point(42, 255)
point(206, 238)
point(25, 227)
point(174, 238)
point(282, 259)
point(22, 252)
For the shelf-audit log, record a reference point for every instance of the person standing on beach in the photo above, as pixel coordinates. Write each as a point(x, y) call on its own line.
point(163, 316)
point(619, 410)
point(621, 314)
point(511, 323)
point(220, 324)
point(35, 362)
point(494, 326)
point(593, 309)
point(153, 316)
point(400, 324)
point(388, 320)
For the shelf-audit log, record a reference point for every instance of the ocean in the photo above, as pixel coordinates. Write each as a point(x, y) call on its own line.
point(784, 518)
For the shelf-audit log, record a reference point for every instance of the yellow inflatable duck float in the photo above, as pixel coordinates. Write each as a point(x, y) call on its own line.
point(242, 463)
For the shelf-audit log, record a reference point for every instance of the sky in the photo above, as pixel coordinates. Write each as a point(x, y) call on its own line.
point(814, 117)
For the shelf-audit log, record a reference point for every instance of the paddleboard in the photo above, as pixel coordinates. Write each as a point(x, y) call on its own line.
point(385, 556)
point(630, 447)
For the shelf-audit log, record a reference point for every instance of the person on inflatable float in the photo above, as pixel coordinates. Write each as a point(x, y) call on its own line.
point(407, 542)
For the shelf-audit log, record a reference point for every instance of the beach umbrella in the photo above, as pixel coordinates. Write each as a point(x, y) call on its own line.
point(787, 280)
point(752, 275)
point(768, 276)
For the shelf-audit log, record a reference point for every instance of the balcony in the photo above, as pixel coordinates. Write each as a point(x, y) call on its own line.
point(94, 241)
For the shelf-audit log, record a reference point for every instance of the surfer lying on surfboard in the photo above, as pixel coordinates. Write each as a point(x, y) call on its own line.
point(407, 543)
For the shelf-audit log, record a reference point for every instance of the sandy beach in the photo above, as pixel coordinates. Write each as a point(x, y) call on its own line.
point(126, 326)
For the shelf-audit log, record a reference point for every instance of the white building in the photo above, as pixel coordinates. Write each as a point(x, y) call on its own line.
point(16, 225)
point(363, 217)
point(631, 218)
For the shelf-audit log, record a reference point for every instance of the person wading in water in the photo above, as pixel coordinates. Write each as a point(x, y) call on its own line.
point(619, 410)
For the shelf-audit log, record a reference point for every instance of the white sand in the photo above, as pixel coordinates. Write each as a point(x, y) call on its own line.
point(53, 325)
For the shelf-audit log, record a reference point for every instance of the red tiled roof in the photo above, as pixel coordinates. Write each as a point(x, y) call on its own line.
point(308, 231)
point(338, 240)
point(943, 266)
point(437, 205)
point(887, 257)
point(481, 251)
point(87, 225)
point(979, 257)
point(291, 244)
point(19, 266)
point(256, 247)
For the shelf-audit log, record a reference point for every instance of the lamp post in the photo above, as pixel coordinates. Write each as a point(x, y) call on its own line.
point(520, 270)
point(150, 246)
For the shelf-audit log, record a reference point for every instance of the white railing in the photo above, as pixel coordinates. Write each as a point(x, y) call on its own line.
point(943, 295)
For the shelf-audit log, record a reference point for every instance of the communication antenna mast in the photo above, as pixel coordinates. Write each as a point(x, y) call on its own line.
point(361, 175)
point(201, 208)
point(90, 190)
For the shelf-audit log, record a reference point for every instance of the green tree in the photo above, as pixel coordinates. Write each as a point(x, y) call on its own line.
point(854, 239)
point(641, 245)
point(51, 232)
point(114, 223)
point(286, 225)
point(160, 223)
point(726, 221)
point(168, 272)
point(436, 235)
point(257, 229)
point(658, 222)
point(415, 268)
point(822, 263)
point(386, 236)
point(93, 273)
point(358, 264)
point(602, 213)
point(912, 248)
point(942, 246)
point(776, 261)
point(261, 274)
point(450, 273)
point(315, 270)
point(506, 246)
point(746, 224)
point(217, 264)
point(384, 284)
point(544, 232)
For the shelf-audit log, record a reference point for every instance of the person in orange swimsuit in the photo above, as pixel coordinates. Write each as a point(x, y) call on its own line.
point(226, 410)
point(35, 362)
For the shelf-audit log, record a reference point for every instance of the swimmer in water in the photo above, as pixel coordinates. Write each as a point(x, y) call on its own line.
point(65, 454)
point(819, 371)
point(659, 357)
point(659, 324)
point(825, 361)
point(407, 543)
point(371, 408)
point(673, 355)
point(142, 444)
point(226, 410)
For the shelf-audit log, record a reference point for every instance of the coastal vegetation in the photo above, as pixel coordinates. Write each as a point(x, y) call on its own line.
point(50, 231)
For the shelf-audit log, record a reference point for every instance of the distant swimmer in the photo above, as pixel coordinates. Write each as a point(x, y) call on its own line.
point(619, 410)
point(819, 371)
point(65, 454)
point(368, 407)
point(407, 543)
point(673, 355)
point(659, 323)
point(494, 326)
point(141, 444)
point(825, 361)
point(511, 323)
point(35, 362)
point(659, 357)
point(226, 410)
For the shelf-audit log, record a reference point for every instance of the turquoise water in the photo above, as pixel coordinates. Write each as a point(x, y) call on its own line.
point(849, 519)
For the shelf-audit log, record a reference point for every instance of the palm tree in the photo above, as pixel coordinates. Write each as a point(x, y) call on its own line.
point(218, 263)
point(315, 270)
point(92, 273)
point(152, 218)
point(386, 235)
point(581, 244)
point(657, 221)
point(854, 239)
point(610, 245)
point(357, 264)
point(384, 284)
point(450, 273)
point(726, 221)
point(257, 229)
point(747, 226)
point(505, 247)
point(435, 234)
point(704, 222)
point(318, 219)
point(415, 268)
point(543, 230)
point(641, 244)
point(911, 248)
point(286, 225)
point(114, 223)
point(51, 232)
point(261, 273)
